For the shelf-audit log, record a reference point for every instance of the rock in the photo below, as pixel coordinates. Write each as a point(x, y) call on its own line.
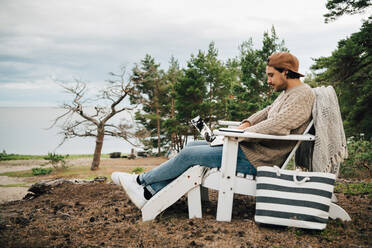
point(29, 196)
point(100, 179)
point(21, 220)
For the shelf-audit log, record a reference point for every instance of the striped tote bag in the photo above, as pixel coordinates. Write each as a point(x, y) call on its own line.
point(293, 198)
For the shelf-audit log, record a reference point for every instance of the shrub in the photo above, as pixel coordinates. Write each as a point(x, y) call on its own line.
point(57, 160)
point(138, 170)
point(359, 161)
point(41, 171)
point(3, 155)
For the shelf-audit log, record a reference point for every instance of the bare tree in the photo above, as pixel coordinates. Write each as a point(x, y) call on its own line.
point(108, 103)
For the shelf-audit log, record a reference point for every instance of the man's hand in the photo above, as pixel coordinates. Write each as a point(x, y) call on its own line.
point(244, 125)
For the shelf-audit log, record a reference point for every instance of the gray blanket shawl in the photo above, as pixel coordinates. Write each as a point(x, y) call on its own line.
point(329, 148)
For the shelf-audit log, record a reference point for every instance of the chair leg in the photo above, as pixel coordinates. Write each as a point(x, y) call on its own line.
point(227, 183)
point(337, 212)
point(194, 202)
point(189, 180)
point(224, 205)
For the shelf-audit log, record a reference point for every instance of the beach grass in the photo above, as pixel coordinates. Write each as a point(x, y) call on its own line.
point(12, 156)
point(82, 172)
point(6, 157)
point(23, 173)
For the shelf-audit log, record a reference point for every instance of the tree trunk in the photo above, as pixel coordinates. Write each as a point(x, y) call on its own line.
point(158, 126)
point(157, 110)
point(173, 135)
point(98, 149)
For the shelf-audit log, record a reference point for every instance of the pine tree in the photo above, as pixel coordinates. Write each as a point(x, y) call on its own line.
point(252, 93)
point(190, 92)
point(173, 129)
point(349, 70)
point(150, 84)
point(203, 89)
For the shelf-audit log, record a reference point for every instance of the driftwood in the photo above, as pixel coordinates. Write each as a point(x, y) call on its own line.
point(46, 186)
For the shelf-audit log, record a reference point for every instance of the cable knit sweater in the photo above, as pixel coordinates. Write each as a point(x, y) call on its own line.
point(288, 114)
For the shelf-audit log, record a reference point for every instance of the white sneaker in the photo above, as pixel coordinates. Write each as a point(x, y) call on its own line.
point(115, 177)
point(133, 189)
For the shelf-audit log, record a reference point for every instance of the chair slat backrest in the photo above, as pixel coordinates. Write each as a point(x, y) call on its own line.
point(292, 153)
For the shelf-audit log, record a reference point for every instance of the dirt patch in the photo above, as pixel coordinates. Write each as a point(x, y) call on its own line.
point(100, 215)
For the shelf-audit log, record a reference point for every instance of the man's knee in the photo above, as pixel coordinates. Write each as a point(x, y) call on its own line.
point(186, 151)
point(196, 143)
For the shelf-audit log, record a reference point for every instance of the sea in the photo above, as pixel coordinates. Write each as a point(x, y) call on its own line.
point(25, 130)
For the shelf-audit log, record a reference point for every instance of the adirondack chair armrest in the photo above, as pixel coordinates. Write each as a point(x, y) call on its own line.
point(302, 137)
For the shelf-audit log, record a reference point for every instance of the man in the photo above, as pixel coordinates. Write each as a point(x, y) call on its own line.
point(288, 114)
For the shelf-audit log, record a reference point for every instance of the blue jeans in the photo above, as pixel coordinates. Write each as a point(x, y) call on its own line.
point(195, 153)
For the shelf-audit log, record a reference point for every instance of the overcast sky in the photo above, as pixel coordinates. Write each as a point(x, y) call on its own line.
point(43, 40)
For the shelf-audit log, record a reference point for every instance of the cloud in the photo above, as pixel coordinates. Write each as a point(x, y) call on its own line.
point(88, 38)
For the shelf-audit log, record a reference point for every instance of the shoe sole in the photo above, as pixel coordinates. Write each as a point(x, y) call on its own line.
point(129, 193)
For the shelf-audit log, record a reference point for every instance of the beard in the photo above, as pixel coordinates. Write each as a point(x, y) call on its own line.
point(282, 86)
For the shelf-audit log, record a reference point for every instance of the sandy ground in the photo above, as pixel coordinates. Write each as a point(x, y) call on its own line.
point(15, 193)
point(107, 164)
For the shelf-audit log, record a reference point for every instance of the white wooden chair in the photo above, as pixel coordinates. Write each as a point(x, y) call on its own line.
point(196, 181)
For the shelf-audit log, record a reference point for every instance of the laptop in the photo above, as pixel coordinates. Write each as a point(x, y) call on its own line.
point(208, 135)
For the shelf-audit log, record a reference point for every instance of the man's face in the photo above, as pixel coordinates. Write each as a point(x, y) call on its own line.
point(276, 79)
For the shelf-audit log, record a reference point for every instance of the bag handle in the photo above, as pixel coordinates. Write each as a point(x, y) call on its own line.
point(277, 170)
point(294, 175)
point(302, 181)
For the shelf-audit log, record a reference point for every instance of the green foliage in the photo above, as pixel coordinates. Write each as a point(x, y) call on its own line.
point(72, 156)
point(310, 80)
point(57, 161)
point(41, 171)
point(138, 170)
point(4, 156)
point(208, 87)
point(349, 70)
point(203, 89)
point(359, 162)
point(251, 93)
point(354, 188)
point(173, 130)
point(341, 7)
point(150, 84)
